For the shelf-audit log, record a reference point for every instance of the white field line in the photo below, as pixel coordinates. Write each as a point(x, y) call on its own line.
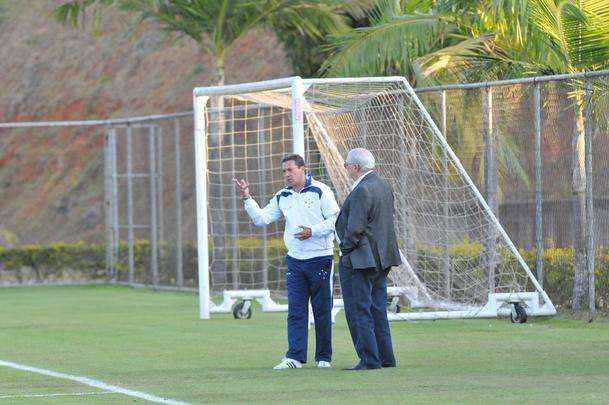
point(92, 383)
point(68, 394)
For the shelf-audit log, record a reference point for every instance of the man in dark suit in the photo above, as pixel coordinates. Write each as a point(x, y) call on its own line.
point(365, 228)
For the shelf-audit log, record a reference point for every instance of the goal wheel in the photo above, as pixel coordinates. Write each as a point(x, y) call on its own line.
point(518, 314)
point(393, 305)
point(241, 311)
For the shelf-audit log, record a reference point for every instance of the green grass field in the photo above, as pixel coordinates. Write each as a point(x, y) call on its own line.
point(154, 343)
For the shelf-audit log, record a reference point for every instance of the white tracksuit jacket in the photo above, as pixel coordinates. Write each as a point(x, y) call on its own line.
point(314, 207)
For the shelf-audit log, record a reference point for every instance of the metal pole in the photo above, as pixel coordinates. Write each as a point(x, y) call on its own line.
point(233, 203)
point(262, 125)
point(445, 198)
point(590, 237)
point(489, 179)
point(108, 206)
point(160, 193)
point(153, 227)
point(114, 205)
point(538, 213)
point(510, 82)
point(178, 197)
point(130, 240)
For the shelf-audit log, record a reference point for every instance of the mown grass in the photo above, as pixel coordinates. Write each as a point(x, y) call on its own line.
point(153, 342)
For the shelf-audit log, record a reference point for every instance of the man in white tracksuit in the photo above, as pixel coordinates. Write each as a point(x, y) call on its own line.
point(310, 211)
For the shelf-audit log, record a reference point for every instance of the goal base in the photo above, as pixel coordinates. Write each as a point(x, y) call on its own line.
point(498, 305)
point(230, 298)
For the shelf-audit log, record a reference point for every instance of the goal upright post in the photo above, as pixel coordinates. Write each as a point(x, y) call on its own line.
point(201, 204)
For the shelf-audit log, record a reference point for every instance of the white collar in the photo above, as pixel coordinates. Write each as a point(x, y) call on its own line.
point(360, 178)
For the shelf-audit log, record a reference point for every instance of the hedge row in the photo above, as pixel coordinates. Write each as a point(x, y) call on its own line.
point(557, 264)
point(80, 262)
point(64, 262)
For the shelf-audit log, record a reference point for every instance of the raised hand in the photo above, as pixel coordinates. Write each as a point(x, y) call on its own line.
point(243, 186)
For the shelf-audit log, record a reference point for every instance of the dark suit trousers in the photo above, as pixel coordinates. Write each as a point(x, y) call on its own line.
point(365, 300)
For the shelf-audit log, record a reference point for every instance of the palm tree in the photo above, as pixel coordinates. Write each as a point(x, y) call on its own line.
point(427, 41)
point(217, 24)
point(436, 41)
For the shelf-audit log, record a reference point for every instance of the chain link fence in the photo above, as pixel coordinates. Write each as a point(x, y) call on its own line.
point(114, 200)
point(98, 201)
point(493, 130)
point(537, 149)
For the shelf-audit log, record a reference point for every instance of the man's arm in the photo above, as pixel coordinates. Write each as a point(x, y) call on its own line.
point(360, 205)
point(260, 216)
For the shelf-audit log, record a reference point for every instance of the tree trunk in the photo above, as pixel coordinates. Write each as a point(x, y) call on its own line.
point(579, 205)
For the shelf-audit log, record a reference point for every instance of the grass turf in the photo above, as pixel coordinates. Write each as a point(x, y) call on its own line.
point(153, 342)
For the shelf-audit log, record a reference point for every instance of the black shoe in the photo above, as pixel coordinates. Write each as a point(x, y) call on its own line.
point(360, 366)
point(388, 365)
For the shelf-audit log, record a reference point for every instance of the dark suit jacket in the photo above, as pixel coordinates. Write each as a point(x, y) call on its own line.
point(365, 225)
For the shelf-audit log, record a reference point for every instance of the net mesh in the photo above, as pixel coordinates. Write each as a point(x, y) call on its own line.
point(453, 252)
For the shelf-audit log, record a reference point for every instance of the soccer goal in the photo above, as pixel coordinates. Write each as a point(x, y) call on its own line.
point(458, 261)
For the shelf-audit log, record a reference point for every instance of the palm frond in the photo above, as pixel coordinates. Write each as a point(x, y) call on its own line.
point(576, 34)
point(73, 11)
point(454, 58)
point(387, 44)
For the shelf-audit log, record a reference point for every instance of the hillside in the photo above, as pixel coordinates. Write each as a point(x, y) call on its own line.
point(51, 181)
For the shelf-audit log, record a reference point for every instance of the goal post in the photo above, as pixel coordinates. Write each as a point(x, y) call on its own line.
point(201, 205)
point(458, 261)
point(201, 98)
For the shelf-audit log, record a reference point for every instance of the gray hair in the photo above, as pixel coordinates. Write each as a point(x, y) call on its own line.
point(362, 157)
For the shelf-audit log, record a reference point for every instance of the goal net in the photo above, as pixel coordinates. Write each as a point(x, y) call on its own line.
point(457, 259)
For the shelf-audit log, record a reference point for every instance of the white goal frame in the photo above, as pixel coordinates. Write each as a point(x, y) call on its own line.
point(499, 304)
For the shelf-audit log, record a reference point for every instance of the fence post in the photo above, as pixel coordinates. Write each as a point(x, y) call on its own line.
point(178, 197)
point(153, 228)
point(262, 123)
point(130, 240)
point(108, 205)
point(160, 189)
point(445, 199)
point(406, 230)
point(233, 202)
point(114, 205)
point(538, 212)
point(489, 179)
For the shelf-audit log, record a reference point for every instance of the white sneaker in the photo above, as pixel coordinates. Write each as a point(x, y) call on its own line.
point(324, 364)
point(288, 363)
